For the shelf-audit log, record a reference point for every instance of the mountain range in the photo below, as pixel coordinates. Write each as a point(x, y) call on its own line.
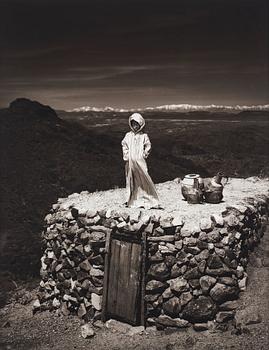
point(178, 108)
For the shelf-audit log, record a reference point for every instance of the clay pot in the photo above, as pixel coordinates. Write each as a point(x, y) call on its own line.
point(191, 188)
point(189, 183)
point(213, 190)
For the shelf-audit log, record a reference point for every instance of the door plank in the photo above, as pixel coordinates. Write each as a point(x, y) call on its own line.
point(123, 288)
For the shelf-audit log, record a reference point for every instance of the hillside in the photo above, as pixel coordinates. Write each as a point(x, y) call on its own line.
point(43, 157)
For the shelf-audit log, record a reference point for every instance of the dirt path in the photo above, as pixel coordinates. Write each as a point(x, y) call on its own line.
point(43, 331)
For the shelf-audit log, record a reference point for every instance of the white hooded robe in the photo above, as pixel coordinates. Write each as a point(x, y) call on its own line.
point(136, 147)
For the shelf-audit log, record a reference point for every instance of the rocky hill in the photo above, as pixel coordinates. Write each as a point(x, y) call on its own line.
point(43, 157)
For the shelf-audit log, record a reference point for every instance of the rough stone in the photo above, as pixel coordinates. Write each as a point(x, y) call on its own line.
point(167, 293)
point(224, 316)
point(117, 326)
point(96, 301)
point(200, 327)
point(192, 274)
point(96, 272)
point(232, 220)
point(202, 266)
point(159, 271)
point(177, 221)
point(206, 225)
point(191, 241)
point(221, 292)
point(178, 284)
point(202, 256)
point(170, 260)
point(242, 284)
point(172, 322)
point(229, 305)
point(150, 298)
point(172, 307)
point(206, 282)
point(81, 310)
point(220, 252)
point(36, 305)
point(223, 271)
point(199, 310)
point(171, 248)
point(166, 238)
point(87, 331)
point(185, 298)
point(179, 244)
point(214, 262)
point(154, 286)
point(156, 257)
point(194, 283)
point(192, 250)
point(136, 330)
point(218, 219)
point(213, 236)
point(185, 232)
point(228, 280)
point(176, 271)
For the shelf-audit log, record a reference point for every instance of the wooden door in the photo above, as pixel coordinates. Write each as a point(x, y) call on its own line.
point(124, 279)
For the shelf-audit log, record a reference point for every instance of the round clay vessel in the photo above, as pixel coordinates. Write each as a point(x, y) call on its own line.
point(188, 184)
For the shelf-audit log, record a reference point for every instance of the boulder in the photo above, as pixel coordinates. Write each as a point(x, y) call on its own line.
point(117, 326)
point(185, 298)
point(229, 305)
point(167, 293)
point(202, 256)
point(179, 284)
point(167, 321)
point(172, 307)
point(207, 282)
point(96, 301)
point(159, 271)
point(232, 220)
point(87, 331)
point(218, 220)
point(192, 250)
point(206, 225)
point(176, 271)
point(201, 309)
point(179, 244)
point(214, 262)
point(192, 274)
point(221, 292)
point(154, 286)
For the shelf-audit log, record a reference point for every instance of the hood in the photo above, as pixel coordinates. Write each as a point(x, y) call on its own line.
point(139, 119)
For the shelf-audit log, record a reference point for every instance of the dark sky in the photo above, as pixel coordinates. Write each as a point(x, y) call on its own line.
point(131, 53)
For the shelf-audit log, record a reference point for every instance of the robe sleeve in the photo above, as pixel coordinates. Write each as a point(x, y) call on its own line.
point(125, 149)
point(147, 146)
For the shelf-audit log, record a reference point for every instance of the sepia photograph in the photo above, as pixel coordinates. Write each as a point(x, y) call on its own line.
point(134, 174)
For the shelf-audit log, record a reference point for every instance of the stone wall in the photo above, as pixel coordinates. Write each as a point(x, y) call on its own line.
point(194, 272)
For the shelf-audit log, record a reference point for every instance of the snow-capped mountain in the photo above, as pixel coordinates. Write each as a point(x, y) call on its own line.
point(177, 108)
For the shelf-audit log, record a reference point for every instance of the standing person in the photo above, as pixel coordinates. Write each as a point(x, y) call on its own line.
point(136, 147)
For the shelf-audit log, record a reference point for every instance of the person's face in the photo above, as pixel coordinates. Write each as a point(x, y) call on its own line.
point(135, 125)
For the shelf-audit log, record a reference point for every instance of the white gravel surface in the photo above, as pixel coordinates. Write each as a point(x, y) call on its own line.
point(235, 192)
